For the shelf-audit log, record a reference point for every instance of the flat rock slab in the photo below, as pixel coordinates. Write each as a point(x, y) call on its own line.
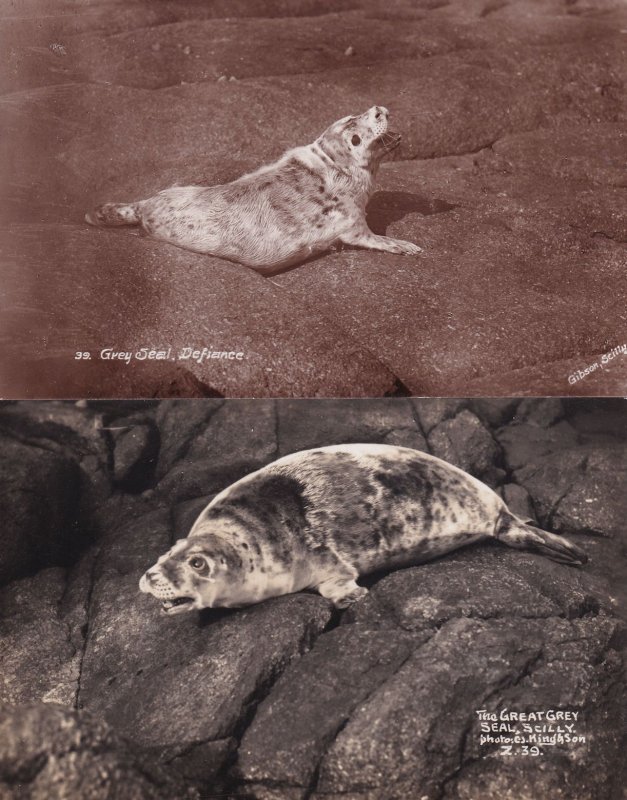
point(521, 283)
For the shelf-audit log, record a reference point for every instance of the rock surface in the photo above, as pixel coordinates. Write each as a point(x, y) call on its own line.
point(289, 698)
point(511, 177)
point(53, 752)
point(37, 506)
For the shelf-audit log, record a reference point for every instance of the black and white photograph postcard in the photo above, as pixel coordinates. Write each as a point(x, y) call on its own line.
point(313, 599)
point(310, 198)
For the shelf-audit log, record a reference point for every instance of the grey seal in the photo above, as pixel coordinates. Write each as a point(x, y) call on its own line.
point(312, 198)
point(319, 519)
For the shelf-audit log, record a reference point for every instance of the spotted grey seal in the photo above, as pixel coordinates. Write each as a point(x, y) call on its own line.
point(319, 519)
point(310, 199)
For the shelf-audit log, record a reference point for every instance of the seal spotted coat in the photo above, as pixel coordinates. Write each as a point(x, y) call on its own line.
point(312, 198)
point(319, 519)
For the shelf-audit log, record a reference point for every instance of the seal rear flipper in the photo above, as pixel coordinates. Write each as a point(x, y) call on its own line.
point(113, 215)
point(515, 533)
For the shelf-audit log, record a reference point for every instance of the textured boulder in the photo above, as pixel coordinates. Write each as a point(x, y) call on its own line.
point(465, 442)
point(218, 447)
point(37, 506)
point(306, 425)
point(47, 751)
point(41, 653)
point(135, 452)
point(581, 489)
point(432, 411)
point(542, 412)
point(524, 442)
point(404, 726)
point(312, 700)
point(518, 500)
point(209, 670)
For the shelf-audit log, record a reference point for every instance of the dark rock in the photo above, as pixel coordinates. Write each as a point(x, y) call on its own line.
point(214, 673)
point(213, 667)
point(53, 752)
point(219, 448)
point(311, 702)
point(420, 727)
point(494, 411)
point(303, 425)
point(524, 443)
point(465, 442)
point(355, 692)
point(543, 412)
point(38, 505)
point(135, 451)
point(580, 489)
point(69, 430)
point(201, 762)
point(433, 410)
point(485, 582)
point(179, 422)
point(38, 659)
point(518, 501)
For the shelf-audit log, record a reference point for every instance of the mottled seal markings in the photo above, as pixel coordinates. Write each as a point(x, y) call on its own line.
point(310, 199)
point(320, 518)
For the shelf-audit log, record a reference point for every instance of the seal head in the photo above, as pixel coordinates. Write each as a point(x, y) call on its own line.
point(194, 573)
point(360, 141)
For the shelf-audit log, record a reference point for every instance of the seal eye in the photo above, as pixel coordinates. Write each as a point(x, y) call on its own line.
point(355, 140)
point(198, 563)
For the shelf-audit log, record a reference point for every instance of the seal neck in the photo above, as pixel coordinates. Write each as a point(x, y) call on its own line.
point(326, 156)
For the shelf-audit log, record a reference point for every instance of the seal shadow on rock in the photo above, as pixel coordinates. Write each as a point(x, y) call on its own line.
point(383, 210)
point(386, 208)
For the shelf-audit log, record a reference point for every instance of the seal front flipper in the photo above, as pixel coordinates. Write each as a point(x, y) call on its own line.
point(363, 237)
point(515, 533)
point(342, 591)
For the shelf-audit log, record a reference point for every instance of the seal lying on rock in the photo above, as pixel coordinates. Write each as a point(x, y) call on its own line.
point(311, 198)
point(320, 518)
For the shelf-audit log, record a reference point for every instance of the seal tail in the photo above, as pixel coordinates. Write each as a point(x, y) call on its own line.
point(516, 533)
point(114, 214)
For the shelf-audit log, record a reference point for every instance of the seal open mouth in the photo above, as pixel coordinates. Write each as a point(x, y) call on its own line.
point(177, 604)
